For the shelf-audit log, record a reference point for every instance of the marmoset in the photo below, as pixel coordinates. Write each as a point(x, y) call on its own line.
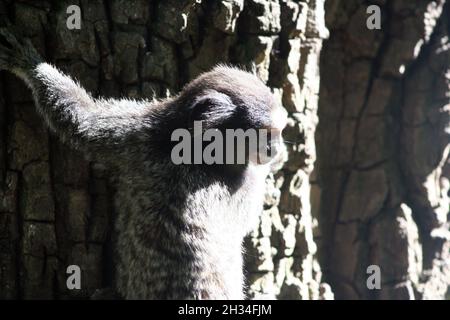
point(179, 227)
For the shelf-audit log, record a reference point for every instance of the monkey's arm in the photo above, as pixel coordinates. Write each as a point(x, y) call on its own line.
point(91, 125)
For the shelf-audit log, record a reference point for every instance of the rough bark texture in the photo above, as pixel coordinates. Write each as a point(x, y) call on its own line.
point(56, 209)
point(379, 192)
point(382, 145)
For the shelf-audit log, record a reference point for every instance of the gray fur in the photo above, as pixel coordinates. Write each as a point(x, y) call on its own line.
point(179, 228)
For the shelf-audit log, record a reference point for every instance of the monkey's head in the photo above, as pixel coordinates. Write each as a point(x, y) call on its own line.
point(230, 98)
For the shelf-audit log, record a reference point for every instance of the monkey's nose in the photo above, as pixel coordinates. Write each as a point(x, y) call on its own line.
point(279, 118)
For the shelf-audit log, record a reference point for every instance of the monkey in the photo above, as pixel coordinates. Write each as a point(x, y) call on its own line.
point(179, 228)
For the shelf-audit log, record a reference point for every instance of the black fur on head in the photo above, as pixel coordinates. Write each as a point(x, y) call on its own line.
point(228, 97)
point(223, 98)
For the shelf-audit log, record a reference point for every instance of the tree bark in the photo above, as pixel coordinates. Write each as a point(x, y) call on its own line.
point(56, 209)
point(382, 145)
point(378, 194)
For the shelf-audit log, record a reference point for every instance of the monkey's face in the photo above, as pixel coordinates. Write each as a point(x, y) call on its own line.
point(228, 99)
point(250, 134)
point(256, 109)
point(271, 148)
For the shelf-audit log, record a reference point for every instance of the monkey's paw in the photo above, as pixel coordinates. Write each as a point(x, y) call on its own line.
point(17, 56)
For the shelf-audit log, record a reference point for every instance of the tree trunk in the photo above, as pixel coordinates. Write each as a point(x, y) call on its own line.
point(56, 209)
point(378, 194)
point(382, 145)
